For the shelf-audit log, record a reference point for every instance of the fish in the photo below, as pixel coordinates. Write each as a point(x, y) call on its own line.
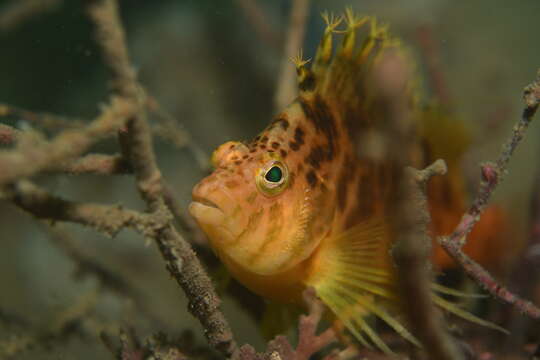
point(303, 206)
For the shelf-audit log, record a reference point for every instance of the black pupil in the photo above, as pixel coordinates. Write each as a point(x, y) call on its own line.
point(274, 174)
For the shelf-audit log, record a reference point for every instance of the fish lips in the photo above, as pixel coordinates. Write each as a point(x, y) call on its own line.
point(206, 212)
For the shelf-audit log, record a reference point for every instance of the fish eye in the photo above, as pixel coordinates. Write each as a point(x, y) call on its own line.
point(274, 174)
point(272, 178)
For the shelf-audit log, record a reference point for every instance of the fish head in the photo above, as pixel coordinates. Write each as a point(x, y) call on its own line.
point(257, 208)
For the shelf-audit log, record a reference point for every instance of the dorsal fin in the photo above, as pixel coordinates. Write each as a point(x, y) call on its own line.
point(342, 78)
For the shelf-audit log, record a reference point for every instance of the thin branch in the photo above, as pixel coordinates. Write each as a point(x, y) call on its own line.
point(46, 120)
point(256, 17)
point(410, 216)
point(411, 254)
point(169, 129)
point(432, 57)
point(309, 343)
point(286, 89)
point(98, 164)
point(29, 160)
point(181, 261)
point(106, 219)
point(8, 135)
point(20, 11)
point(492, 175)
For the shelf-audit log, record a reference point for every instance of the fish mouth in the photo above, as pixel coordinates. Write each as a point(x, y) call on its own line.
point(206, 211)
point(204, 201)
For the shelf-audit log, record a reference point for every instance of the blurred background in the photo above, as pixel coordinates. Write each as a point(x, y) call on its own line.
point(213, 67)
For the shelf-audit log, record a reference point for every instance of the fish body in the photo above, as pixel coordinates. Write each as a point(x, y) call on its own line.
point(305, 204)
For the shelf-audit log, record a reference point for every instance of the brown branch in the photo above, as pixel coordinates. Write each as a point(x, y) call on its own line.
point(61, 326)
point(286, 89)
point(412, 253)
point(8, 135)
point(29, 160)
point(256, 17)
point(180, 259)
point(46, 120)
point(309, 343)
point(431, 55)
point(492, 175)
point(409, 212)
point(20, 11)
point(106, 219)
point(169, 129)
point(99, 164)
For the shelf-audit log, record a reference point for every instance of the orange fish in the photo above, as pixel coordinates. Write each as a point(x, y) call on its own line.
point(299, 206)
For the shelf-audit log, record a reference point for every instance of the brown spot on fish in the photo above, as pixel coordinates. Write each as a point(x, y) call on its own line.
point(238, 162)
point(319, 114)
point(231, 184)
point(275, 145)
point(262, 146)
point(294, 146)
point(253, 150)
point(316, 157)
point(311, 178)
point(234, 157)
point(251, 198)
point(283, 153)
point(275, 211)
point(292, 176)
point(299, 135)
point(308, 83)
point(264, 139)
point(281, 121)
point(245, 156)
point(349, 175)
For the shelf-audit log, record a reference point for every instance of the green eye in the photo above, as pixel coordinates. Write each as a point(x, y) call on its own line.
point(274, 174)
point(272, 178)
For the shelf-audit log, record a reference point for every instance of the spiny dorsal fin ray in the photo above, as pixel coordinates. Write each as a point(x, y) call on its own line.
point(343, 79)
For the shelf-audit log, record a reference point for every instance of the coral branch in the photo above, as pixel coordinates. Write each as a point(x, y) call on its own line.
point(412, 254)
point(410, 215)
point(309, 343)
point(431, 52)
point(99, 164)
point(104, 218)
point(21, 11)
point(492, 174)
point(286, 89)
point(180, 259)
point(8, 135)
point(30, 160)
point(256, 17)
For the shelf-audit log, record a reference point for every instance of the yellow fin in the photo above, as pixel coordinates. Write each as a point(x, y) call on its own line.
point(358, 281)
point(355, 278)
point(456, 310)
point(453, 292)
